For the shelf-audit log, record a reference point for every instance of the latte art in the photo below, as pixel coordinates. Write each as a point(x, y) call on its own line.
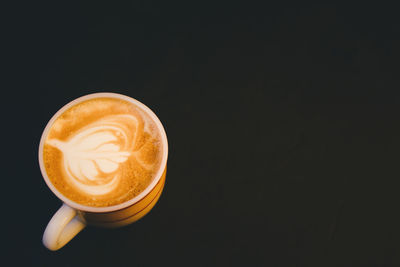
point(93, 155)
point(110, 152)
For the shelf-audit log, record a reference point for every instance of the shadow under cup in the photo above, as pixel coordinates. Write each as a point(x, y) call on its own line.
point(73, 217)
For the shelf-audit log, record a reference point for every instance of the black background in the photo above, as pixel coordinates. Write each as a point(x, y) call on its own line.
point(282, 121)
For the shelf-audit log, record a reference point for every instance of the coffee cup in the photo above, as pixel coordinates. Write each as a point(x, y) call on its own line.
point(104, 155)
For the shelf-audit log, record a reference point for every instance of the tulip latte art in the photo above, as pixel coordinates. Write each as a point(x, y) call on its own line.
point(102, 152)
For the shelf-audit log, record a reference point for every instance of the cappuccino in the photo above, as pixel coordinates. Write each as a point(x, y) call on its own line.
point(102, 152)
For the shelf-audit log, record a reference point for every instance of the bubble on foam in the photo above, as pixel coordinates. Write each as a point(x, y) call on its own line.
point(57, 126)
point(147, 120)
point(92, 157)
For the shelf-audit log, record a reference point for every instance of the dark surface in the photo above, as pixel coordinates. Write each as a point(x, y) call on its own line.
point(282, 120)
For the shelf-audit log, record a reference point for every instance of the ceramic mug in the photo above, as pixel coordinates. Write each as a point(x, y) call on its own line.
point(72, 217)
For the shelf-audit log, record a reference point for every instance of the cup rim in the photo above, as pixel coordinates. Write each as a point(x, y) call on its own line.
point(129, 202)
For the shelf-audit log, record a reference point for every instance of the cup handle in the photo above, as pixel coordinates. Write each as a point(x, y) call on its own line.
point(64, 225)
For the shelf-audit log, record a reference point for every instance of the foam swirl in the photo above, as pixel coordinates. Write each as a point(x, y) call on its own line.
point(93, 156)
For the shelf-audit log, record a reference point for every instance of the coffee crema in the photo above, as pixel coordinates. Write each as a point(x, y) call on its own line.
point(102, 152)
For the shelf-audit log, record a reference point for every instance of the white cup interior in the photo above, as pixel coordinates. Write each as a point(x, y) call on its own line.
point(128, 203)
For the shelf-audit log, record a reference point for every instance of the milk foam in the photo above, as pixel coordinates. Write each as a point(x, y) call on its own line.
point(93, 156)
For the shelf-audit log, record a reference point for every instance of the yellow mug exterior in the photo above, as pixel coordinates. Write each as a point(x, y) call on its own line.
point(129, 214)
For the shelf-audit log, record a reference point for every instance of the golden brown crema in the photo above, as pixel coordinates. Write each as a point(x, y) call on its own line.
point(102, 152)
